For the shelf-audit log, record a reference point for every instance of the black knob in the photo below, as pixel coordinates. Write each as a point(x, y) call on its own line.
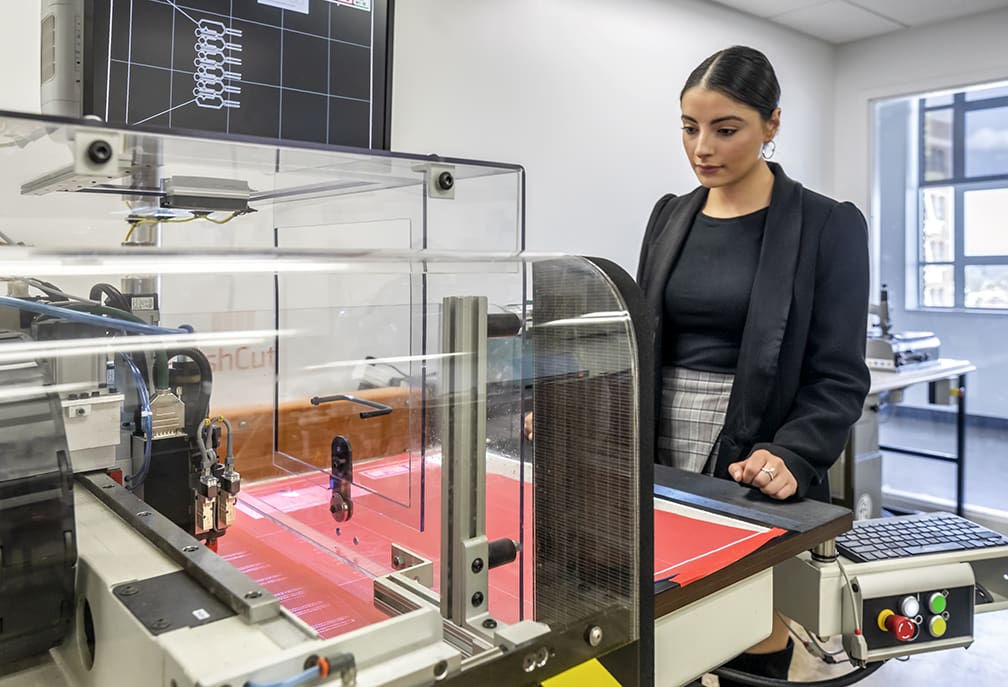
point(99, 152)
point(445, 181)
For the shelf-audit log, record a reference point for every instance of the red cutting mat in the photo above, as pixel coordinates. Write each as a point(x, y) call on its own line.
point(335, 596)
point(334, 593)
point(687, 549)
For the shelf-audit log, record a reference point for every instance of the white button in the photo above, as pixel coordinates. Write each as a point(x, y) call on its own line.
point(910, 606)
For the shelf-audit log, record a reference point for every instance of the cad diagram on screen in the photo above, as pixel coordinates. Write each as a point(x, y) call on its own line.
point(290, 69)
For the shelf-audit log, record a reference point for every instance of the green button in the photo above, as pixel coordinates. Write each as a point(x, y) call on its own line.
point(937, 603)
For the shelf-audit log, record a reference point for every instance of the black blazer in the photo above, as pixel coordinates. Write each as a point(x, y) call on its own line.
point(801, 379)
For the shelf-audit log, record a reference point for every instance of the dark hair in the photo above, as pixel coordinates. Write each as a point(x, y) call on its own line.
point(742, 73)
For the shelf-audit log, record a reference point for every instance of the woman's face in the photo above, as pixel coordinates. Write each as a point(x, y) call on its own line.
point(722, 136)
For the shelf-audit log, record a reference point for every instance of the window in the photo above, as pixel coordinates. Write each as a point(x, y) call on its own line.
point(962, 201)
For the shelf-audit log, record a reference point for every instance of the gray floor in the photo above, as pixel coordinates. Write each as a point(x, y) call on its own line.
point(986, 461)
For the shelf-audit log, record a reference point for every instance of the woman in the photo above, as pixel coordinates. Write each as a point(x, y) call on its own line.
point(761, 290)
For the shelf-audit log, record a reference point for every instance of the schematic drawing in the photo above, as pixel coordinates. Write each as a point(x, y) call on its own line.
point(215, 65)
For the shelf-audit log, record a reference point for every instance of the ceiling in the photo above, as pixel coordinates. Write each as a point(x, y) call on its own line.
point(842, 21)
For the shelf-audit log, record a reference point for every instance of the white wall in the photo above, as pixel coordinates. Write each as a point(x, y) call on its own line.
point(584, 94)
point(19, 55)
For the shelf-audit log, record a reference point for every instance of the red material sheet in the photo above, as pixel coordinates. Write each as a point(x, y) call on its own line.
point(334, 593)
point(335, 596)
point(687, 549)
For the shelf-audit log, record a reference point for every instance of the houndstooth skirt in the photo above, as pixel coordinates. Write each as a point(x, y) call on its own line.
point(693, 406)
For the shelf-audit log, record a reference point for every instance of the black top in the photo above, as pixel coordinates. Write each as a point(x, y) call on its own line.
point(801, 379)
point(707, 293)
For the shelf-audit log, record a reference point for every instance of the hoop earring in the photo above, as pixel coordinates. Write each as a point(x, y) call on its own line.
point(773, 149)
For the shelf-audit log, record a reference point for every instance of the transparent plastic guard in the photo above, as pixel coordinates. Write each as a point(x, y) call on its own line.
point(375, 428)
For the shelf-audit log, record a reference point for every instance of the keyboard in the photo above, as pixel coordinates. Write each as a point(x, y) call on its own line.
point(914, 535)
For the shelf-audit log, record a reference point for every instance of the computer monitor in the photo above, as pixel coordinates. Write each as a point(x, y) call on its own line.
point(296, 70)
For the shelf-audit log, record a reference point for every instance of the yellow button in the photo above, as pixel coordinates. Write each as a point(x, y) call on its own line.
point(937, 626)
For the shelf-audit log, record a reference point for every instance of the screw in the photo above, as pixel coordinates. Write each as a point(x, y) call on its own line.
point(477, 599)
point(144, 514)
point(489, 623)
point(161, 624)
point(255, 594)
point(594, 635)
point(477, 565)
point(81, 411)
point(397, 562)
point(127, 590)
point(440, 669)
point(99, 152)
point(445, 181)
point(529, 663)
point(190, 548)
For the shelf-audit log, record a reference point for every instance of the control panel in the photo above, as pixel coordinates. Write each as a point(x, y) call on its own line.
point(903, 612)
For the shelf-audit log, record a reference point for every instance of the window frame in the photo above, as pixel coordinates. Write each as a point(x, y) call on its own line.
point(960, 184)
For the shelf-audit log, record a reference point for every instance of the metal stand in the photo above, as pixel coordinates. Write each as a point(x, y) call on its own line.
point(959, 457)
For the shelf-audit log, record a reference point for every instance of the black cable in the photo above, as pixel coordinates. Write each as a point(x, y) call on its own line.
point(206, 386)
point(761, 681)
point(113, 296)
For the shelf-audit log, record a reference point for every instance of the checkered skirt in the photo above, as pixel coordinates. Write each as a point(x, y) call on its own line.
point(693, 405)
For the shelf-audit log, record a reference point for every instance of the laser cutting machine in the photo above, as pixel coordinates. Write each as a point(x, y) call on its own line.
point(263, 413)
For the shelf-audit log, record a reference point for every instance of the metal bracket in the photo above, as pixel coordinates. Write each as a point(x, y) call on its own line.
point(439, 179)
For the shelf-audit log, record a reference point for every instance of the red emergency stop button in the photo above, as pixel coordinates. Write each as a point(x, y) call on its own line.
point(902, 627)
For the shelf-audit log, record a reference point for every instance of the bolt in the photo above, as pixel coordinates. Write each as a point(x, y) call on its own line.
point(445, 181)
point(440, 669)
point(81, 411)
point(477, 599)
point(99, 152)
point(594, 635)
point(529, 663)
point(489, 623)
point(477, 565)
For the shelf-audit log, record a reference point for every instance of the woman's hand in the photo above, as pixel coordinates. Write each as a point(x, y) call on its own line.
point(528, 426)
point(767, 472)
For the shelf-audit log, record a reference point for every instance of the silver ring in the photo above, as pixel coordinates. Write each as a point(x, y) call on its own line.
point(769, 471)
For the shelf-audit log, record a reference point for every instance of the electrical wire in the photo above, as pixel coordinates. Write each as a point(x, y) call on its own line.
point(113, 296)
point(50, 290)
point(136, 221)
point(858, 626)
point(300, 678)
point(117, 324)
point(759, 681)
point(138, 478)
